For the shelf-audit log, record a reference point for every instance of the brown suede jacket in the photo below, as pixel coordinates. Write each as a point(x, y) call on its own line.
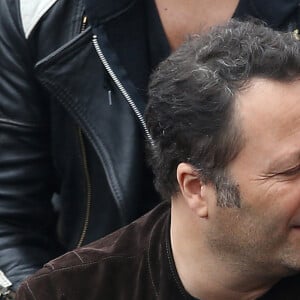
point(134, 263)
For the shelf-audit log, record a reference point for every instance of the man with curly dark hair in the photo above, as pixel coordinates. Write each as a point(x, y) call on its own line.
point(224, 120)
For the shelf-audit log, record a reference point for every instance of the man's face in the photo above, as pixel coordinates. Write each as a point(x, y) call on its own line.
point(265, 231)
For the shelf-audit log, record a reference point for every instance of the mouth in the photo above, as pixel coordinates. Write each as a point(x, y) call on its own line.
point(295, 227)
point(295, 224)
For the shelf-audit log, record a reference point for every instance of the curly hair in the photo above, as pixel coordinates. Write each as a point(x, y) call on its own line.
point(191, 113)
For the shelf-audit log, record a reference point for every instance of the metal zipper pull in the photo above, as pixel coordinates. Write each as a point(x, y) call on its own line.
point(109, 97)
point(83, 23)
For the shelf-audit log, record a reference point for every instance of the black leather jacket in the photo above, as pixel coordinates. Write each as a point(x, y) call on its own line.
point(70, 125)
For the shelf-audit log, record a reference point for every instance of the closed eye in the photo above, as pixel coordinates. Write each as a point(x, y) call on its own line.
point(286, 173)
point(291, 172)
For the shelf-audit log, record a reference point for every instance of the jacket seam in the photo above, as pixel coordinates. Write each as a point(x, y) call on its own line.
point(30, 290)
point(107, 259)
point(149, 264)
point(172, 271)
point(104, 260)
point(21, 124)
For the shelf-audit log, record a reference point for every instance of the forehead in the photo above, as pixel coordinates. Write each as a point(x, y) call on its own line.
point(269, 114)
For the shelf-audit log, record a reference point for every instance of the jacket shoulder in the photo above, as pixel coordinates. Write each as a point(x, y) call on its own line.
point(92, 272)
point(114, 267)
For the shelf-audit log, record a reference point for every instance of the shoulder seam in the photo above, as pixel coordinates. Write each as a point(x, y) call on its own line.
point(30, 290)
point(32, 11)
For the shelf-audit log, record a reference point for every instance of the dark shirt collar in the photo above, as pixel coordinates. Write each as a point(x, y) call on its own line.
point(165, 278)
point(101, 11)
point(274, 13)
point(162, 269)
point(159, 48)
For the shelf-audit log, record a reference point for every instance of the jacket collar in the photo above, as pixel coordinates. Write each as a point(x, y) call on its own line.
point(101, 11)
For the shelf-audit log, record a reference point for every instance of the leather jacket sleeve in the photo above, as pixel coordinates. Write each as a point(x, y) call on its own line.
point(27, 219)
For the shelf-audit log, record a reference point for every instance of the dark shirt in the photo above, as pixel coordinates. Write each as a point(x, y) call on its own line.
point(158, 45)
point(279, 14)
point(134, 263)
point(141, 46)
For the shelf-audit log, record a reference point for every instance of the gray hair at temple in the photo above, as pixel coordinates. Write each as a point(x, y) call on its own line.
point(191, 110)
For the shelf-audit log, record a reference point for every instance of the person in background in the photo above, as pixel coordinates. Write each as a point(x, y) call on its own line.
point(224, 118)
point(73, 78)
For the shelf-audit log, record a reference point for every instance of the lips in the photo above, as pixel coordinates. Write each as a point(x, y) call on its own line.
point(295, 222)
point(295, 225)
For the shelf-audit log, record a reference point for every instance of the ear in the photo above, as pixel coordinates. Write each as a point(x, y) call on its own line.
point(192, 189)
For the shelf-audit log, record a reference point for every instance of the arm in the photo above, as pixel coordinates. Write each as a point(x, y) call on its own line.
point(27, 220)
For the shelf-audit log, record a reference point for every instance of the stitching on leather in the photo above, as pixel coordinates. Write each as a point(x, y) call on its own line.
point(20, 124)
point(85, 264)
point(182, 292)
point(78, 256)
point(50, 265)
point(149, 265)
point(31, 292)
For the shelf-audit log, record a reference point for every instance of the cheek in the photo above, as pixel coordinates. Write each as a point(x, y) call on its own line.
point(276, 201)
point(288, 197)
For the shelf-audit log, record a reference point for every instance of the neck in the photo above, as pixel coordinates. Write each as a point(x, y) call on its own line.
point(208, 276)
point(183, 18)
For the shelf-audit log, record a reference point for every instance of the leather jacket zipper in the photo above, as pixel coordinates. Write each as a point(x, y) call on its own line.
point(122, 89)
point(85, 170)
point(88, 189)
point(82, 146)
